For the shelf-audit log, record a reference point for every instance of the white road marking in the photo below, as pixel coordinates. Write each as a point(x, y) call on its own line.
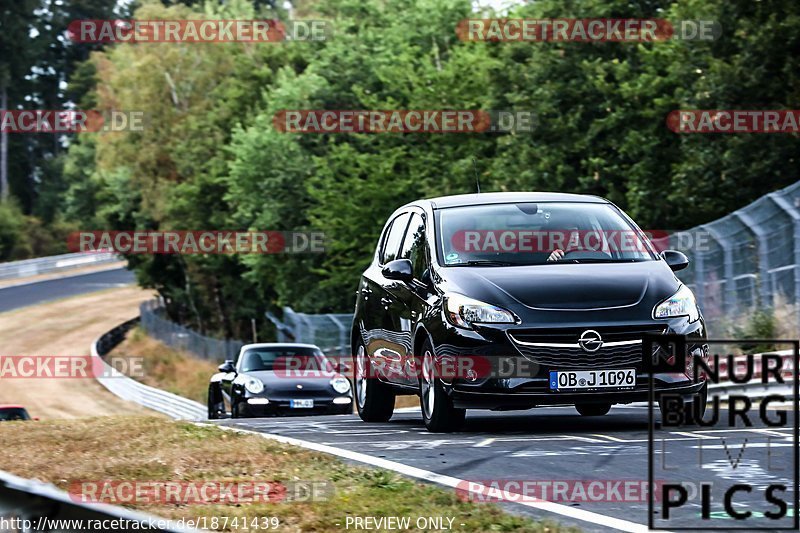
point(609, 437)
point(406, 410)
point(582, 439)
point(693, 435)
point(772, 433)
point(477, 489)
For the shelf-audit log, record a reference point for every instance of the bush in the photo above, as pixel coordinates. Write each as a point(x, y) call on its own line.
point(12, 222)
point(760, 324)
point(23, 236)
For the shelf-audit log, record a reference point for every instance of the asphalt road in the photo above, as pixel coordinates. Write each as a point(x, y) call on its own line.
point(55, 289)
point(545, 446)
point(557, 444)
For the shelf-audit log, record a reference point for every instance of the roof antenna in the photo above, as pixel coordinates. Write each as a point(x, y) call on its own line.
point(477, 179)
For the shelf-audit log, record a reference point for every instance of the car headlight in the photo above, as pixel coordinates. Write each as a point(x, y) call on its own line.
point(682, 303)
point(340, 384)
point(253, 385)
point(463, 312)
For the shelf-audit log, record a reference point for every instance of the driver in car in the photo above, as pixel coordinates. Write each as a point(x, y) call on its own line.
point(572, 244)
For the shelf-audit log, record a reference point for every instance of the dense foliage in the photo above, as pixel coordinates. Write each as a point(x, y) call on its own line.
point(210, 157)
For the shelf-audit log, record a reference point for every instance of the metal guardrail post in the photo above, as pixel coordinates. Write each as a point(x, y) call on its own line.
point(728, 300)
point(765, 290)
point(790, 210)
point(700, 276)
point(342, 333)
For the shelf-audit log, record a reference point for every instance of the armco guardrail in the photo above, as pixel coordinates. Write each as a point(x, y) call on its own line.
point(37, 506)
point(755, 389)
point(54, 263)
point(126, 388)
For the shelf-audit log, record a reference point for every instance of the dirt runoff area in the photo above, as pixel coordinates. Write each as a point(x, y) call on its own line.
point(66, 328)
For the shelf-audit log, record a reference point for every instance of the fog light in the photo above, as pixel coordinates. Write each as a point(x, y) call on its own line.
point(257, 401)
point(341, 400)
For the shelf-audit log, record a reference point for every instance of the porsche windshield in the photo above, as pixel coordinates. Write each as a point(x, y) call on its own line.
point(257, 359)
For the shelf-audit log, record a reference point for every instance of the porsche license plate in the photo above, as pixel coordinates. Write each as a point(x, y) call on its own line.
point(301, 404)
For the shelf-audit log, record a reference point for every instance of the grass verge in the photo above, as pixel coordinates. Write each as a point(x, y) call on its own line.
point(153, 449)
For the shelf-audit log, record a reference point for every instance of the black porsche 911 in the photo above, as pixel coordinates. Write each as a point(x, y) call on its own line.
point(279, 379)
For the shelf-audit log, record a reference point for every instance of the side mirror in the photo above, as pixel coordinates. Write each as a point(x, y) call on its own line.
point(399, 269)
point(675, 259)
point(227, 367)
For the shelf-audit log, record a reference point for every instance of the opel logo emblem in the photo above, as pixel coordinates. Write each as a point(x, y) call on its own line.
point(590, 341)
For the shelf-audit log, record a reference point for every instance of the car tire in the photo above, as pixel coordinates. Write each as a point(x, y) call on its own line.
point(700, 398)
point(213, 403)
point(374, 399)
point(239, 411)
point(593, 409)
point(438, 412)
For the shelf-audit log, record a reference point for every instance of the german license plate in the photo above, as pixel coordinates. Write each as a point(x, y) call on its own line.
point(301, 404)
point(619, 379)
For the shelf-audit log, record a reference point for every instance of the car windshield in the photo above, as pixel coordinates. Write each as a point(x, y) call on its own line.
point(13, 413)
point(537, 234)
point(275, 358)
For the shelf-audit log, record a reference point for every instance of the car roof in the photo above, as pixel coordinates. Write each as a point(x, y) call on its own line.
point(460, 200)
point(279, 345)
point(11, 406)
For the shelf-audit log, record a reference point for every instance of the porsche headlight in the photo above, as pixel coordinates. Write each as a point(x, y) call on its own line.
point(682, 303)
point(340, 384)
point(253, 385)
point(464, 312)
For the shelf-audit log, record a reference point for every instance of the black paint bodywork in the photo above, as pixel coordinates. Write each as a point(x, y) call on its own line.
point(393, 318)
point(229, 395)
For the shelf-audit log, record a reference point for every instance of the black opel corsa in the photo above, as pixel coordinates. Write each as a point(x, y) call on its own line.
point(514, 300)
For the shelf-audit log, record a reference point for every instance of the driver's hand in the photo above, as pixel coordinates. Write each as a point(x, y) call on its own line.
point(557, 254)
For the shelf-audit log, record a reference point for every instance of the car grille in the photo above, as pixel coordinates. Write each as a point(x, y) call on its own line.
point(558, 349)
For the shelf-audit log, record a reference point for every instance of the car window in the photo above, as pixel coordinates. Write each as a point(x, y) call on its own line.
point(414, 247)
point(13, 413)
point(527, 233)
point(280, 358)
point(391, 244)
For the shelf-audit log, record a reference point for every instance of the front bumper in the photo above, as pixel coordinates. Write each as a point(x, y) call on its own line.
point(284, 408)
point(519, 374)
point(485, 398)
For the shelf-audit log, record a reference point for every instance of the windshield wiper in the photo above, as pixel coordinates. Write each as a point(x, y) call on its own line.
point(597, 260)
point(484, 262)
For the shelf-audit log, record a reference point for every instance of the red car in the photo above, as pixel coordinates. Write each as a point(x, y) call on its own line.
point(10, 413)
